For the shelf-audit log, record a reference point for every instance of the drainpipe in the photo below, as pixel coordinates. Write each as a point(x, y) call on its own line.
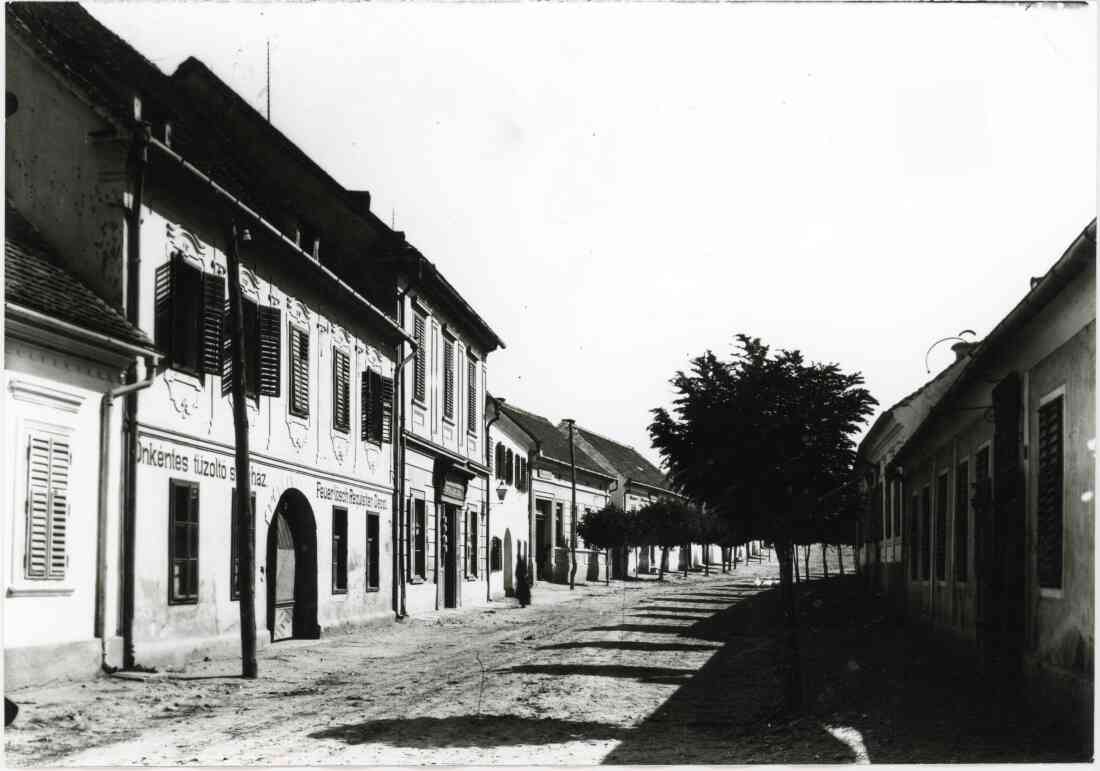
point(140, 160)
point(106, 407)
point(488, 503)
point(532, 530)
point(398, 553)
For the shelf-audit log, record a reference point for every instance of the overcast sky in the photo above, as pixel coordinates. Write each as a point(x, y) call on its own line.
point(618, 187)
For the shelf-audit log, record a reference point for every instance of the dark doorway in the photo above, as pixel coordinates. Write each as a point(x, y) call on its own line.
point(543, 541)
point(292, 569)
point(449, 555)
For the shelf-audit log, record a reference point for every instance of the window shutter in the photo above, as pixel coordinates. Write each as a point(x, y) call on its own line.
point(162, 303)
point(364, 406)
point(471, 395)
point(1050, 495)
point(227, 359)
point(299, 372)
point(188, 321)
point(448, 378)
point(213, 302)
point(270, 349)
point(48, 461)
point(387, 408)
point(341, 391)
point(419, 384)
point(509, 473)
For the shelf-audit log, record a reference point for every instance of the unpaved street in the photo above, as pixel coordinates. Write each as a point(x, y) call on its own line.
point(564, 681)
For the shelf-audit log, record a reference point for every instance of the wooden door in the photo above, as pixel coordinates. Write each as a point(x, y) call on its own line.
point(285, 565)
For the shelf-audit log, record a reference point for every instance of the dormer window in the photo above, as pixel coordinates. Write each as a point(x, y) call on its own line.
point(309, 240)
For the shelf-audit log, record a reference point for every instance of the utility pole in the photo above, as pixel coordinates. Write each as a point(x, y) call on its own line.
point(246, 573)
point(573, 534)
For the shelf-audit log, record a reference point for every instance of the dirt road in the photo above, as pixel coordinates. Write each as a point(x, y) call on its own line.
point(565, 681)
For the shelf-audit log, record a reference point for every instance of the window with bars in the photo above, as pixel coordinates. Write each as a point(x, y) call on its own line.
point(299, 372)
point(494, 555)
point(962, 517)
point(339, 550)
point(940, 535)
point(419, 524)
point(420, 363)
point(372, 566)
point(187, 311)
point(47, 507)
point(1050, 484)
point(471, 396)
point(376, 408)
point(448, 378)
point(234, 550)
point(263, 329)
point(183, 542)
point(341, 391)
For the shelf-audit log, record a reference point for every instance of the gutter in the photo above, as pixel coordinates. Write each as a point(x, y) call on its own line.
point(72, 330)
point(392, 327)
point(399, 484)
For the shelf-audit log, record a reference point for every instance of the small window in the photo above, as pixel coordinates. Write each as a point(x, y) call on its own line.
point(471, 395)
point(471, 543)
point(376, 411)
point(418, 539)
point(420, 363)
point(1050, 484)
point(509, 467)
point(914, 541)
point(501, 459)
point(941, 527)
point(448, 378)
point(962, 516)
point(372, 553)
point(339, 550)
point(341, 391)
point(187, 323)
point(299, 372)
point(925, 533)
point(494, 555)
point(183, 542)
point(234, 551)
point(559, 524)
point(897, 509)
point(263, 326)
point(48, 464)
point(885, 499)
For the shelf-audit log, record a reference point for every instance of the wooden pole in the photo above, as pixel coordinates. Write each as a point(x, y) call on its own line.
point(246, 533)
point(573, 533)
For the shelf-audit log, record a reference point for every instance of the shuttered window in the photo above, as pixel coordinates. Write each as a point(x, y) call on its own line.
point(510, 468)
point(942, 491)
point(925, 533)
point(183, 542)
point(341, 391)
point(914, 539)
point(263, 327)
point(339, 550)
point(420, 363)
point(471, 396)
point(1050, 494)
point(234, 551)
point(471, 542)
point(418, 538)
point(499, 461)
point(448, 378)
point(376, 418)
point(47, 507)
point(962, 517)
point(884, 498)
point(494, 555)
point(897, 509)
point(299, 372)
point(187, 316)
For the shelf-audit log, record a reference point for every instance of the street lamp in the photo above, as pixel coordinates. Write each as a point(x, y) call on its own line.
point(502, 490)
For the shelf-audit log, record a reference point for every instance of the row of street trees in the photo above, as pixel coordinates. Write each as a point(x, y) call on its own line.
point(766, 442)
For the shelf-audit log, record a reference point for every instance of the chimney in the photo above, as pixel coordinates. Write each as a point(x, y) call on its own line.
point(1035, 280)
point(963, 349)
point(359, 202)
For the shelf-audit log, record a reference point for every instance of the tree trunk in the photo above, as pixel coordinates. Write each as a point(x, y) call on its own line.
point(687, 560)
point(607, 566)
point(796, 576)
point(840, 557)
point(661, 565)
point(246, 534)
point(706, 559)
point(806, 560)
point(825, 559)
point(792, 669)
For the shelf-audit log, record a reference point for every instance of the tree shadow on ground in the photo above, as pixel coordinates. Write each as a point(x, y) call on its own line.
point(681, 598)
point(678, 609)
point(626, 645)
point(668, 616)
point(482, 731)
point(661, 675)
point(642, 628)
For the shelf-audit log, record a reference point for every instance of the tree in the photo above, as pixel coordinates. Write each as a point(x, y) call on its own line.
point(609, 529)
point(759, 438)
point(665, 523)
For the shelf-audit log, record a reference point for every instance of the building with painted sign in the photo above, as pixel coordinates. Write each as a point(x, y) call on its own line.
point(144, 181)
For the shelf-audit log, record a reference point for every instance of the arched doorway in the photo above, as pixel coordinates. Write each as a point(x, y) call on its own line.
point(292, 569)
point(509, 564)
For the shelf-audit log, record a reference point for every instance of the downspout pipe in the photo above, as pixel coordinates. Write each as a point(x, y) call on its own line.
point(532, 531)
point(140, 162)
point(488, 504)
point(106, 410)
point(398, 555)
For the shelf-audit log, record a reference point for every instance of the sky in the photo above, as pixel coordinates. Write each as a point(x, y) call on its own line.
point(619, 187)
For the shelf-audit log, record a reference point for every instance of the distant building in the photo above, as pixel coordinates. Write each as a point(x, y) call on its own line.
point(552, 492)
point(514, 452)
point(997, 487)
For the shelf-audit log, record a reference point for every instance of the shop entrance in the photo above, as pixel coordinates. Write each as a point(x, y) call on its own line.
point(449, 555)
point(292, 569)
point(544, 545)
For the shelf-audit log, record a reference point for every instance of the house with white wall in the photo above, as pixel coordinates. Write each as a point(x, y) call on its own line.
point(510, 503)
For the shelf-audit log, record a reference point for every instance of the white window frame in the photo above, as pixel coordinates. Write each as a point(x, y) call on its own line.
point(1049, 396)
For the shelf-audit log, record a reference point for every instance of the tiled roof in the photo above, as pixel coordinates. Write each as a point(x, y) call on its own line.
point(34, 279)
point(552, 443)
point(626, 460)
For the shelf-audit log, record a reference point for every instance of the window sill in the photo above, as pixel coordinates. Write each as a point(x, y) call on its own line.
point(1051, 594)
point(176, 603)
point(45, 591)
point(340, 594)
point(373, 590)
point(449, 421)
point(417, 580)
